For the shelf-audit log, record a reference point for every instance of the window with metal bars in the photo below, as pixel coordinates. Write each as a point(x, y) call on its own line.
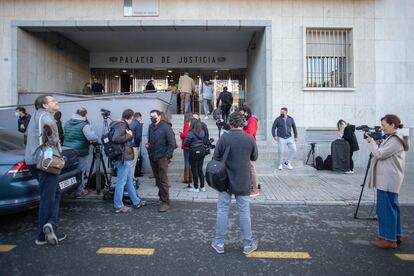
point(328, 58)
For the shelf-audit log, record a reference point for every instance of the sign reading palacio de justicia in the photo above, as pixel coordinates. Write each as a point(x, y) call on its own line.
point(168, 60)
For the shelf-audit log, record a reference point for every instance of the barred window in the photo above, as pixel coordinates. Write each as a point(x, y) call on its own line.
point(328, 58)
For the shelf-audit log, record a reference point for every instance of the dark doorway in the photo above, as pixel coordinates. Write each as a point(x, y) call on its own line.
point(125, 83)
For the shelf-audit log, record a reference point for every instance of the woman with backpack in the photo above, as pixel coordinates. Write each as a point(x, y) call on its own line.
point(195, 141)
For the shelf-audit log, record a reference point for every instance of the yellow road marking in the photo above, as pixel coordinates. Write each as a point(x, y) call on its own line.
point(126, 251)
point(405, 257)
point(6, 247)
point(279, 255)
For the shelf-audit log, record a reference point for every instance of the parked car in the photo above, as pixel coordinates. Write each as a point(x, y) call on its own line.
point(19, 190)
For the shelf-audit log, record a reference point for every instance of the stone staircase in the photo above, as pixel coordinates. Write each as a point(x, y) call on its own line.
point(265, 165)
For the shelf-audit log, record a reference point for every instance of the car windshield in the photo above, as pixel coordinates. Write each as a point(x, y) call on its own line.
point(11, 140)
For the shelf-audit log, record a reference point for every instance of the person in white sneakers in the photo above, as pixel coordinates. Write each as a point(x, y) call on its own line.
point(282, 133)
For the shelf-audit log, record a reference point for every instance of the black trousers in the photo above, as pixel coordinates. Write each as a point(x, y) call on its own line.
point(196, 164)
point(225, 111)
point(351, 162)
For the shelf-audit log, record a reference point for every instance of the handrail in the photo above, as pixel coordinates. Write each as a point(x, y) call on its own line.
point(87, 97)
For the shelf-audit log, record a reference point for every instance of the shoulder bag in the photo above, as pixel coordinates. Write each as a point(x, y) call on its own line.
point(53, 164)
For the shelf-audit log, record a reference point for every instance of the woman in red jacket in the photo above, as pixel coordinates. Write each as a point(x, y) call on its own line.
point(186, 150)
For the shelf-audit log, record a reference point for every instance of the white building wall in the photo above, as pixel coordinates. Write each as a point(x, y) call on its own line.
point(47, 62)
point(383, 40)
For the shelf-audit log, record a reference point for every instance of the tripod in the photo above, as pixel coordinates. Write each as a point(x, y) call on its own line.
point(362, 189)
point(96, 163)
point(311, 152)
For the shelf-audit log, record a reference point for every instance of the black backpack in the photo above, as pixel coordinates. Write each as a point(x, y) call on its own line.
point(216, 174)
point(319, 163)
point(111, 149)
point(327, 164)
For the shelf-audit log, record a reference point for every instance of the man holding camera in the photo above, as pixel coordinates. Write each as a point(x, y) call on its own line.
point(78, 135)
point(282, 133)
point(122, 134)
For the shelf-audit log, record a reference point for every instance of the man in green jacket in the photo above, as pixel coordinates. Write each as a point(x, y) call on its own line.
point(78, 135)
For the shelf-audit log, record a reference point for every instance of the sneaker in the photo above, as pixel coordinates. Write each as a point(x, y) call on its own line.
point(250, 248)
point(288, 165)
point(206, 118)
point(61, 237)
point(349, 172)
point(219, 248)
point(254, 193)
point(142, 203)
point(82, 194)
point(40, 242)
point(123, 209)
point(193, 190)
point(203, 189)
point(50, 236)
point(164, 208)
point(280, 167)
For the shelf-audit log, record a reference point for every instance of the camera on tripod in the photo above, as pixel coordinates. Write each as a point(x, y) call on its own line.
point(105, 113)
point(374, 132)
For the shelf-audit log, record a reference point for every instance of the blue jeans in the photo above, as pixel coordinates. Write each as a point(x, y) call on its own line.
point(388, 212)
point(83, 163)
point(206, 106)
point(243, 207)
point(49, 199)
point(124, 178)
point(186, 159)
point(290, 142)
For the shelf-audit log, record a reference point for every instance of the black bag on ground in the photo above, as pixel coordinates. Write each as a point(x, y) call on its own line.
point(319, 163)
point(216, 174)
point(340, 151)
point(327, 164)
point(111, 149)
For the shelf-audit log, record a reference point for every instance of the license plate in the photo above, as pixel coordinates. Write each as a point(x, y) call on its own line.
point(68, 182)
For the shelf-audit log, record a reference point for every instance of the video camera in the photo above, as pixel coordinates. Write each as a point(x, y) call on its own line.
point(374, 132)
point(209, 146)
point(105, 113)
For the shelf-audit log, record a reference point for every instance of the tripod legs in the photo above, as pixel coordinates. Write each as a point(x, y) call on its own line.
point(311, 152)
point(362, 187)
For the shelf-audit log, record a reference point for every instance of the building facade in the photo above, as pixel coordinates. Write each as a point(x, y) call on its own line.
point(323, 59)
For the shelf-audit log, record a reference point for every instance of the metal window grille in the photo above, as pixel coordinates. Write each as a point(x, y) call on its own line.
point(328, 58)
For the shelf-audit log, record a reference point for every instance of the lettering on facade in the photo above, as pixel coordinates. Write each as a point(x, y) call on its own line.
point(167, 59)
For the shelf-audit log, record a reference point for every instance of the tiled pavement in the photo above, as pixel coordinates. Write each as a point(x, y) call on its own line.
point(299, 186)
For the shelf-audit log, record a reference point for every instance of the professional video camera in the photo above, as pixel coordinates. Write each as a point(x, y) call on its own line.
point(374, 132)
point(105, 113)
point(220, 123)
point(209, 146)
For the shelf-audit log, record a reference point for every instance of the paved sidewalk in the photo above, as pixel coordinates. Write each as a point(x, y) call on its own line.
point(299, 186)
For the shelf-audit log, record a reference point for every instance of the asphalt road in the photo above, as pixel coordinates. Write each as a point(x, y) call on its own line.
point(336, 243)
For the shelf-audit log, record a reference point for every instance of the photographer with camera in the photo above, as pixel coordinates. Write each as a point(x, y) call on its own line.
point(386, 175)
point(78, 135)
point(123, 135)
point(347, 132)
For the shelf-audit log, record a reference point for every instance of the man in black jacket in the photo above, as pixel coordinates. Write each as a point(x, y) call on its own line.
point(282, 133)
point(226, 99)
point(123, 135)
point(23, 120)
point(161, 145)
point(242, 149)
